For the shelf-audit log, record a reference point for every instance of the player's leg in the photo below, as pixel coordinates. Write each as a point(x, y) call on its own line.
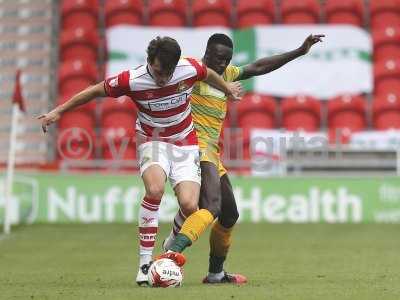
point(153, 169)
point(179, 219)
point(210, 201)
point(210, 206)
point(220, 237)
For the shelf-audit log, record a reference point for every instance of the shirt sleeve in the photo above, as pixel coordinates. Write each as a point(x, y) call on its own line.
point(233, 73)
point(201, 69)
point(117, 86)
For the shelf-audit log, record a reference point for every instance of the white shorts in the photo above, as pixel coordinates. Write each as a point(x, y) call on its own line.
point(180, 163)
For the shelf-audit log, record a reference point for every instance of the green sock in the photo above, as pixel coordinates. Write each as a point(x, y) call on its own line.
point(216, 264)
point(181, 243)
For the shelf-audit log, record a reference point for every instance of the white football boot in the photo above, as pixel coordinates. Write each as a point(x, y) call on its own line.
point(141, 278)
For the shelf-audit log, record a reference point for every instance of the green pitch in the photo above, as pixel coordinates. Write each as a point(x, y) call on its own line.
point(281, 262)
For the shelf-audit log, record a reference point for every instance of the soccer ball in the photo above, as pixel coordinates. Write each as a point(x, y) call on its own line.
point(164, 273)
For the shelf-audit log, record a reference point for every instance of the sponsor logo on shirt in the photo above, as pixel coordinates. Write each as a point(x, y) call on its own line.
point(168, 103)
point(182, 86)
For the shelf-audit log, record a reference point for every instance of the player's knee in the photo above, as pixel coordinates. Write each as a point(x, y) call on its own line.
point(214, 205)
point(229, 220)
point(154, 191)
point(189, 208)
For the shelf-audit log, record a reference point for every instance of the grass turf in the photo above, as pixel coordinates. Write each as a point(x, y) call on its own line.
point(281, 261)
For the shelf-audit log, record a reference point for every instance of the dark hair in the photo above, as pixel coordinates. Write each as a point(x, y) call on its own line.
point(220, 38)
point(167, 51)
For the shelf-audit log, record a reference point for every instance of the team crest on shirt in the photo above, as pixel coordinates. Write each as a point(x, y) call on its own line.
point(149, 94)
point(182, 86)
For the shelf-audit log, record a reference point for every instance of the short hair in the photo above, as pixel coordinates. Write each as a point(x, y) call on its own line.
point(167, 50)
point(220, 38)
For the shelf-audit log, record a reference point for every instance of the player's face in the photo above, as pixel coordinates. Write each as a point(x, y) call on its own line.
point(218, 57)
point(160, 76)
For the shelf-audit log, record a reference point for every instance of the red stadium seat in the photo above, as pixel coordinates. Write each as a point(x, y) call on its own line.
point(386, 43)
point(119, 12)
point(386, 112)
point(79, 44)
point(168, 12)
point(384, 13)
point(301, 113)
point(256, 12)
point(346, 114)
point(82, 13)
point(212, 13)
point(118, 128)
point(76, 75)
point(110, 106)
point(387, 76)
point(76, 136)
point(345, 12)
point(117, 143)
point(256, 111)
point(300, 11)
point(88, 108)
point(77, 118)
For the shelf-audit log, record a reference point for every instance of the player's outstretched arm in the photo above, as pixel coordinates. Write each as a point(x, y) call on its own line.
point(231, 90)
point(79, 99)
point(268, 64)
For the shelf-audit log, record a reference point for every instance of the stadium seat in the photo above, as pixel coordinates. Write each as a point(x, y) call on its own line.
point(345, 12)
point(88, 108)
point(256, 12)
point(301, 113)
point(256, 111)
point(122, 104)
point(300, 11)
point(384, 13)
point(346, 114)
point(76, 75)
point(79, 44)
point(386, 111)
point(386, 43)
point(387, 76)
point(118, 144)
point(118, 128)
point(211, 13)
point(168, 12)
point(76, 136)
point(119, 12)
point(82, 13)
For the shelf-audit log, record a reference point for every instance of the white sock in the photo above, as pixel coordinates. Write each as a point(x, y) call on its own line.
point(148, 227)
point(144, 259)
point(215, 277)
point(178, 222)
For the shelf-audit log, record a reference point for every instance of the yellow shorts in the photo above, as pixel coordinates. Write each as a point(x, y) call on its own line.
point(215, 159)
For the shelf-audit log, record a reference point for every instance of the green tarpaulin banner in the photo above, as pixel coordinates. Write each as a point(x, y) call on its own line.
point(57, 198)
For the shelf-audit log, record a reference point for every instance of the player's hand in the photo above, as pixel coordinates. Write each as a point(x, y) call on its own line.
point(48, 119)
point(236, 89)
point(310, 41)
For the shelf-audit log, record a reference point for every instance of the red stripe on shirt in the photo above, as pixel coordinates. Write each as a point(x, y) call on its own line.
point(117, 86)
point(164, 91)
point(167, 131)
point(189, 140)
point(201, 68)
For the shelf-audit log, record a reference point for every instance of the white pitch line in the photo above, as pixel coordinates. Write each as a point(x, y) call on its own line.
point(3, 237)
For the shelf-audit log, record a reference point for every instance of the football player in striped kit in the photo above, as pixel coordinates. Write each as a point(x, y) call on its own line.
point(165, 135)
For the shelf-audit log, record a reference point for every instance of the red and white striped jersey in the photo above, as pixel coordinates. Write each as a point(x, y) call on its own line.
point(164, 113)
